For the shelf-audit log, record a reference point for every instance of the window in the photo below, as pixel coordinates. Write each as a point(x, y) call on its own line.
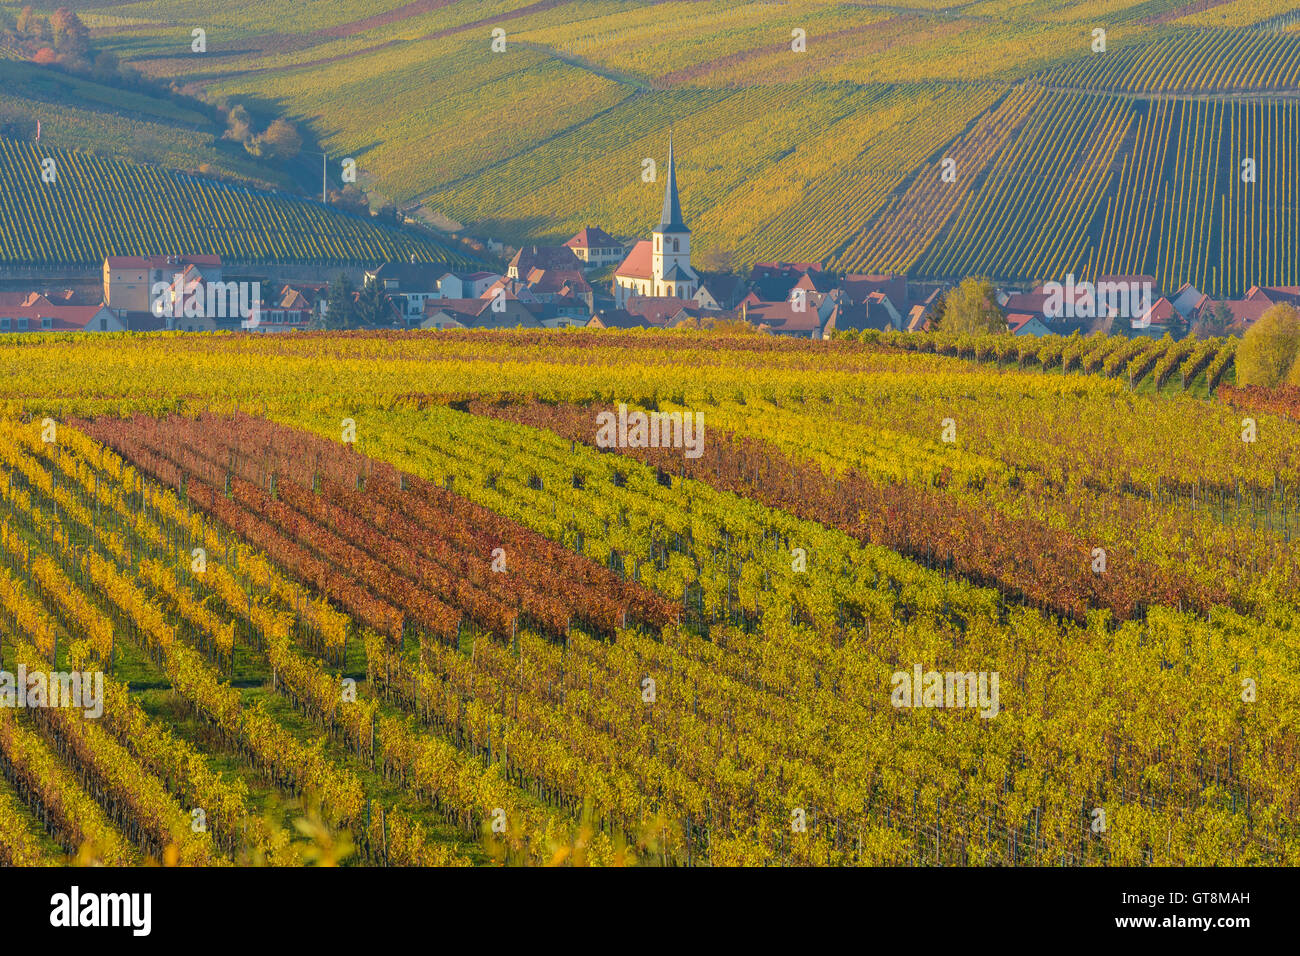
point(4, 325)
point(22, 325)
point(103, 325)
point(657, 239)
point(676, 246)
point(47, 323)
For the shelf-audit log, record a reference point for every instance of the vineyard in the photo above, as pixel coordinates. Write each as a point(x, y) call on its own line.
point(386, 599)
point(62, 206)
point(808, 130)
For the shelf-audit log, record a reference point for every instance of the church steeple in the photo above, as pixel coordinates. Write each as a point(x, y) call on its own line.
point(671, 218)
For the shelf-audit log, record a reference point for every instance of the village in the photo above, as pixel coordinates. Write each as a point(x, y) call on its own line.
point(597, 281)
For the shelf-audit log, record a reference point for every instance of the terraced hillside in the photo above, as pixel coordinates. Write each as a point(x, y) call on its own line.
point(806, 130)
point(64, 207)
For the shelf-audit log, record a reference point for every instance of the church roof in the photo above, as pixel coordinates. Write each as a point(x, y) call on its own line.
point(677, 274)
point(671, 219)
point(638, 263)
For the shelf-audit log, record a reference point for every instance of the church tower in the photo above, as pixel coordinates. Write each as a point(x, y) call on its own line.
point(671, 255)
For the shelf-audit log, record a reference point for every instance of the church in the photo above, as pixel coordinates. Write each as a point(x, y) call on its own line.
point(661, 265)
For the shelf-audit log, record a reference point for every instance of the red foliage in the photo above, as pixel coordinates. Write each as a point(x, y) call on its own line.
point(387, 546)
point(1026, 559)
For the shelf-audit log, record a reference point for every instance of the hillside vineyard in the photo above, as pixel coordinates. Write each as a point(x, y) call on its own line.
point(1015, 140)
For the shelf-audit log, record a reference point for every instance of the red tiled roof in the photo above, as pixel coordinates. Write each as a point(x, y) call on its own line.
point(657, 309)
point(1026, 302)
point(1161, 311)
point(638, 265)
point(554, 280)
point(858, 286)
point(1245, 312)
point(65, 317)
point(782, 317)
point(593, 237)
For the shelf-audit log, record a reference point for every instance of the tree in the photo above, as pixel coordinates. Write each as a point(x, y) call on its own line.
point(1213, 322)
point(351, 198)
point(239, 125)
point(68, 32)
point(972, 309)
point(1268, 349)
point(281, 140)
point(1177, 326)
point(340, 310)
point(371, 307)
point(26, 23)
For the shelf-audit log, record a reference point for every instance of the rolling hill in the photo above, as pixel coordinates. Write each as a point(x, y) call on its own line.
point(806, 130)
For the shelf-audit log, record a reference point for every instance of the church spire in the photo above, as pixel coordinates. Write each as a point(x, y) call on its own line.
point(671, 220)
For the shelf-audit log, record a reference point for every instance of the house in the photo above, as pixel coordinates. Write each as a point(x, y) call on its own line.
point(1274, 295)
point(802, 300)
point(471, 285)
point(1243, 313)
point(191, 301)
point(562, 314)
point(542, 257)
point(41, 315)
point(660, 266)
point(485, 313)
point(922, 316)
point(871, 314)
point(595, 247)
point(857, 286)
point(1190, 303)
point(772, 281)
point(783, 318)
point(292, 310)
point(411, 284)
point(657, 310)
point(129, 281)
point(547, 285)
point(1124, 297)
point(617, 319)
point(719, 291)
point(881, 302)
point(1026, 303)
point(1025, 323)
point(507, 289)
point(439, 315)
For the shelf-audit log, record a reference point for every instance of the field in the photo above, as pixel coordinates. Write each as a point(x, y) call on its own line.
point(831, 151)
point(384, 599)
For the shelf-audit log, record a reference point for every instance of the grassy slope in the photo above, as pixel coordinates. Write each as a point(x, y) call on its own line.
point(79, 113)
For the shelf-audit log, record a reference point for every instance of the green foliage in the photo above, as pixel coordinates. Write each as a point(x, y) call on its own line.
point(971, 309)
point(1268, 349)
